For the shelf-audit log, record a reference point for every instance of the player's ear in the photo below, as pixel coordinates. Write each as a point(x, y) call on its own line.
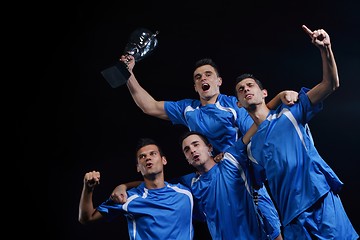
point(137, 168)
point(210, 149)
point(265, 93)
point(219, 81)
point(164, 160)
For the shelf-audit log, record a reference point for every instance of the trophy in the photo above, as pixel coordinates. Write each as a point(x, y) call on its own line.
point(141, 43)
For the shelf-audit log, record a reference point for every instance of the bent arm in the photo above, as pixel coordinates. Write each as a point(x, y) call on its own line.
point(330, 81)
point(252, 130)
point(87, 212)
point(288, 97)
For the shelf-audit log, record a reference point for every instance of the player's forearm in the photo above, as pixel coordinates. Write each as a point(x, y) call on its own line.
point(330, 72)
point(141, 97)
point(273, 103)
point(86, 207)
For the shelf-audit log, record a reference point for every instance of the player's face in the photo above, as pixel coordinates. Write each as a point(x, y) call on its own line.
point(249, 93)
point(195, 150)
point(206, 82)
point(150, 162)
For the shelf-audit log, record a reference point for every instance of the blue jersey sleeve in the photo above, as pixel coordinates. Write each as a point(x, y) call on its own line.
point(175, 110)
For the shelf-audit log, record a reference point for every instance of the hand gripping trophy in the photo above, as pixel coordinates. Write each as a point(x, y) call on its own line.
point(141, 43)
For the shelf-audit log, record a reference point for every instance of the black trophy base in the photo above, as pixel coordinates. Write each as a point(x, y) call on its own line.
point(116, 75)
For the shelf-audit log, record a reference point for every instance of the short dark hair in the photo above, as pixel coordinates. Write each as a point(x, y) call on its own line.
point(189, 133)
point(207, 61)
point(142, 142)
point(248, 75)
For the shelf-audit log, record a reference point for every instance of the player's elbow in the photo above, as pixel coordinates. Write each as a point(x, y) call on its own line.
point(336, 85)
point(84, 219)
point(147, 111)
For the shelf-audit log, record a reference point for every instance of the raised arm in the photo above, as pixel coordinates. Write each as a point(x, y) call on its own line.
point(87, 212)
point(141, 97)
point(330, 80)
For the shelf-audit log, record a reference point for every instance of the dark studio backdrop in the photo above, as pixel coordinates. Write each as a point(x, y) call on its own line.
point(91, 126)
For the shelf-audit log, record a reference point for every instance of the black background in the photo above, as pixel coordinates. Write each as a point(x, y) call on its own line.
point(79, 123)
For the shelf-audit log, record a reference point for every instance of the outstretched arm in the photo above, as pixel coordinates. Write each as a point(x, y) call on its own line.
point(330, 81)
point(141, 97)
point(119, 194)
point(87, 212)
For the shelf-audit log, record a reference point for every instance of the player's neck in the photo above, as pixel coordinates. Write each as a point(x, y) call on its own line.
point(154, 183)
point(259, 113)
point(209, 100)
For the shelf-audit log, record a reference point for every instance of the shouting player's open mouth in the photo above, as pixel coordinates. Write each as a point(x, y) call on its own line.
point(205, 86)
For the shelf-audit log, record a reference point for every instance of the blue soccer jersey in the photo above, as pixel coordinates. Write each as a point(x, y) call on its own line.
point(164, 213)
point(283, 153)
point(222, 123)
point(224, 196)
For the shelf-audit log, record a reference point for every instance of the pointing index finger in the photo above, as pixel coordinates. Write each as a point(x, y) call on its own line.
point(307, 30)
